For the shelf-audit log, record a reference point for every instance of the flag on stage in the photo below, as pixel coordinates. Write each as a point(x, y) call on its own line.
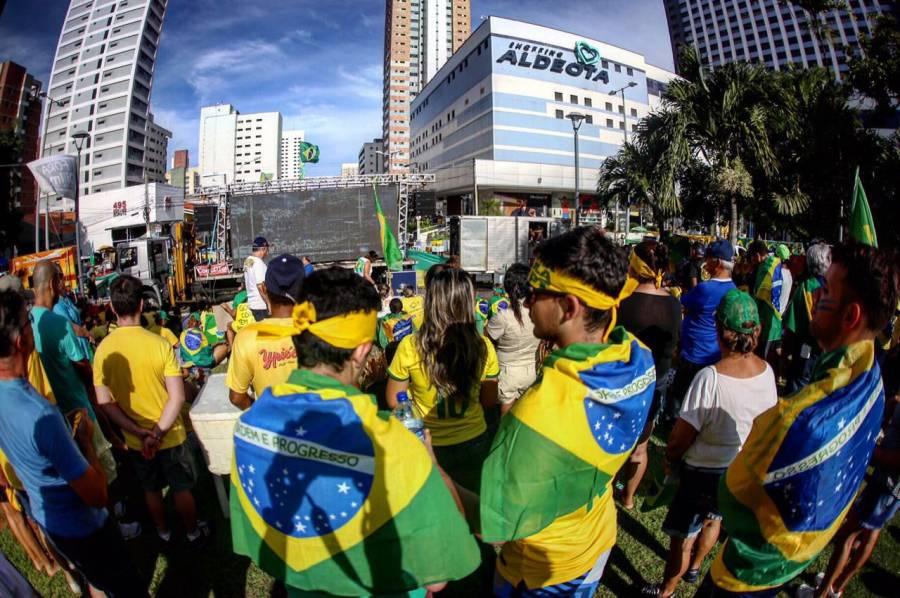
point(328, 496)
point(862, 227)
point(308, 152)
point(787, 492)
point(393, 257)
point(547, 481)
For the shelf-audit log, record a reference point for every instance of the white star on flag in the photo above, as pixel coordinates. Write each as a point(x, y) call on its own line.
point(841, 423)
point(256, 501)
point(353, 504)
point(300, 431)
point(285, 471)
point(332, 517)
point(617, 415)
point(343, 488)
point(299, 527)
point(343, 513)
point(597, 426)
point(252, 469)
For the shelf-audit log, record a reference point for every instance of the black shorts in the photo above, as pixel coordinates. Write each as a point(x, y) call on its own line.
point(696, 500)
point(104, 560)
point(173, 467)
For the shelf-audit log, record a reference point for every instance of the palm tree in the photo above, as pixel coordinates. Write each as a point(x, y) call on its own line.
point(722, 118)
point(629, 178)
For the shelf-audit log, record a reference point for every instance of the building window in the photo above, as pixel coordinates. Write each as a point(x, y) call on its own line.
point(587, 102)
point(558, 96)
point(634, 112)
point(608, 107)
point(609, 123)
point(559, 114)
point(589, 119)
point(629, 71)
point(618, 68)
point(573, 99)
point(622, 124)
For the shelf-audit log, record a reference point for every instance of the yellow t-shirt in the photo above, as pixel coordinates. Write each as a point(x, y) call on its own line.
point(414, 306)
point(37, 377)
point(242, 317)
point(447, 427)
point(260, 363)
point(133, 364)
point(168, 335)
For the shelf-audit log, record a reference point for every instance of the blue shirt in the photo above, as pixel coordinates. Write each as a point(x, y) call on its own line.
point(308, 269)
point(39, 445)
point(65, 308)
point(699, 342)
point(56, 343)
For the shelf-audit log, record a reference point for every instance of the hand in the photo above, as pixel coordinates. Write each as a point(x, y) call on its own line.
point(150, 446)
point(83, 428)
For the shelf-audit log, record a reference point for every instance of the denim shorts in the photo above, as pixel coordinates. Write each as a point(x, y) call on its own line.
point(696, 500)
point(876, 505)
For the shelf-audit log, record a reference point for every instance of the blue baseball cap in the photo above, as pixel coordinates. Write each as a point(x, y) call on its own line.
point(721, 250)
point(284, 276)
point(259, 242)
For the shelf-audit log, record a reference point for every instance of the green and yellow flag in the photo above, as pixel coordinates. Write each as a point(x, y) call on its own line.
point(309, 152)
point(546, 485)
point(787, 492)
point(328, 495)
point(862, 227)
point(393, 257)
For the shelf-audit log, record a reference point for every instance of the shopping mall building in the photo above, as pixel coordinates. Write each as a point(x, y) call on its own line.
point(493, 123)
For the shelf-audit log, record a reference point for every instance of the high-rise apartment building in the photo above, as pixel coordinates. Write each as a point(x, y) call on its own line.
point(291, 149)
point(100, 84)
point(419, 37)
point(156, 150)
point(239, 148)
point(770, 32)
point(20, 112)
point(371, 157)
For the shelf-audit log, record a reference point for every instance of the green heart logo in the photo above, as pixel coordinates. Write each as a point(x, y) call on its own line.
point(586, 54)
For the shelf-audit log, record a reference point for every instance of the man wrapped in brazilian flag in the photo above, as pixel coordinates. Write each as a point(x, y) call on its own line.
point(788, 490)
point(328, 495)
point(546, 486)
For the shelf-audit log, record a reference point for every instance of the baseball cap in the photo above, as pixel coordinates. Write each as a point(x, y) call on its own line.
point(721, 250)
point(284, 276)
point(260, 242)
point(783, 252)
point(737, 312)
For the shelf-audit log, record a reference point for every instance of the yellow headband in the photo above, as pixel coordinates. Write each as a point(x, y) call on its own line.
point(639, 269)
point(346, 331)
point(546, 279)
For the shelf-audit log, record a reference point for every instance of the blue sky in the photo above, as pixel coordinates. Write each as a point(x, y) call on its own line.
point(317, 62)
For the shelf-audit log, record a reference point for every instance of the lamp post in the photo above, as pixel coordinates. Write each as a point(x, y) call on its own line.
point(625, 131)
point(79, 139)
point(577, 118)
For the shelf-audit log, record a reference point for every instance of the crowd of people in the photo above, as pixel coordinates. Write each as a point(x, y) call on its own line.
point(770, 380)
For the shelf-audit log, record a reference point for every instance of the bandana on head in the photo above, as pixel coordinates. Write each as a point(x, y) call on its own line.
point(556, 281)
point(346, 331)
point(638, 268)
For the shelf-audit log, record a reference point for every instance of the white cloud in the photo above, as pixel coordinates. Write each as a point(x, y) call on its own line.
point(27, 51)
point(218, 70)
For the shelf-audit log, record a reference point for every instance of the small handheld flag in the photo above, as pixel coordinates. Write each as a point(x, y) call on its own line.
point(862, 227)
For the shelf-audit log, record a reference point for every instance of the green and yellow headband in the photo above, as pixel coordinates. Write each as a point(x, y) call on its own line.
point(556, 281)
point(346, 331)
point(638, 268)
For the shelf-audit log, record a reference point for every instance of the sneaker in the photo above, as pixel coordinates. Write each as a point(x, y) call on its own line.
point(691, 576)
point(200, 535)
point(654, 590)
point(805, 591)
point(130, 531)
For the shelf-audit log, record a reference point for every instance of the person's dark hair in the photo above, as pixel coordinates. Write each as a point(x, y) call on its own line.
point(655, 255)
point(434, 271)
point(396, 306)
point(738, 342)
point(589, 255)
point(452, 350)
point(279, 299)
point(125, 295)
point(12, 319)
point(873, 277)
point(515, 283)
point(332, 291)
point(758, 248)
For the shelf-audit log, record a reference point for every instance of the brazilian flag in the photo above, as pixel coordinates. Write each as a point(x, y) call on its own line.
point(328, 495)
point(547, 481)
point(767, 287)
point(788, 490)
point(862, 226)
point(309, 152)
point(798, 315)
point(389, 247)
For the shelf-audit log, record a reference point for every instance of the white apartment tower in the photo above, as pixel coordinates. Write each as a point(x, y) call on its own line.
point(100, 84)
point(239, 148)
point(291, 148)
point(419, 37)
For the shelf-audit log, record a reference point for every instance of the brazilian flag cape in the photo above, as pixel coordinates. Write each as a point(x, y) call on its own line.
point(497, 303)
point(328, 495)
point(545, 487)
point(394, 327)
point(788, 490)
point(798, 316)
point(766, 289)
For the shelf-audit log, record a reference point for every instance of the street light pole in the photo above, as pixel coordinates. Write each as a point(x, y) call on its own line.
point(79, 138)
point(577, 119)
point(625, 131)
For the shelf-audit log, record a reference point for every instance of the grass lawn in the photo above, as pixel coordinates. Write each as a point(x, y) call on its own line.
point(215, 571)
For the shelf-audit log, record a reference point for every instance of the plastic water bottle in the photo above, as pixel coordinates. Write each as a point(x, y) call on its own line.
point(409, 415)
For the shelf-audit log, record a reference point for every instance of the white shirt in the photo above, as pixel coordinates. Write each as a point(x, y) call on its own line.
point(787, 281)
point(254, 274)
point(722, 410)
